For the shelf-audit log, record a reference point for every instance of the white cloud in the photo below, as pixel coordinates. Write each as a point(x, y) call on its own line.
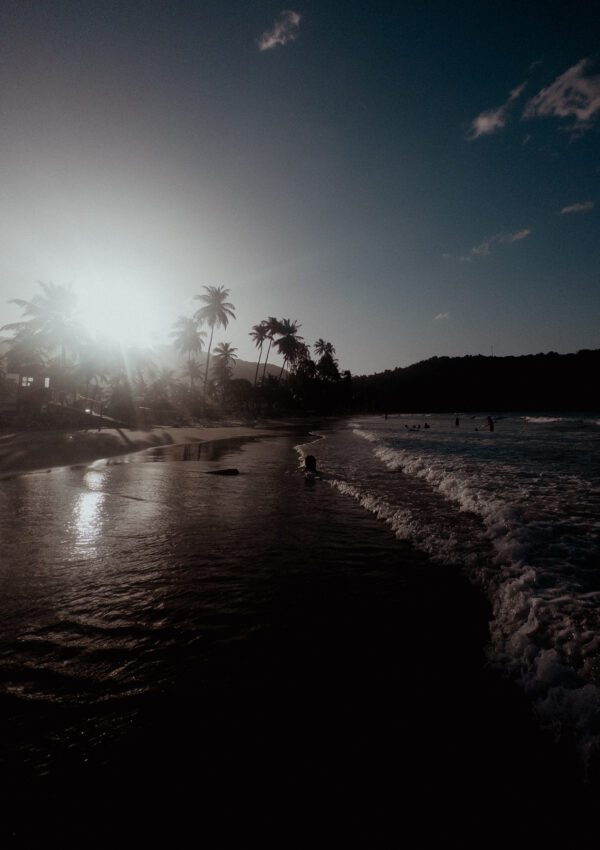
point(493, 119)
point(284, 29)
point(516, 237)
point(583, 207)
point(484, 249)
point(572, 95)
point(487, 122)
point(441, 316)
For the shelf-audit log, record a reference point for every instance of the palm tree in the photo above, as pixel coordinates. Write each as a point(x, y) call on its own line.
point(273, 326)
point(164, 384)
point(225, 358)
point(24, 356)
point(327, 366)
point(187, 338)
point(259, 334)
point(192, 370)
point(52, 320)
point(321, 347)
point(216, 313)
point(289, 344)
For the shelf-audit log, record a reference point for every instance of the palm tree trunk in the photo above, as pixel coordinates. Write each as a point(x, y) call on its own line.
point(282, 368)
point(257, 365)
point(266, 358)
point(212, 330)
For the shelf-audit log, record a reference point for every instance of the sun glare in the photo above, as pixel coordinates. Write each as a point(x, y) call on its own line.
point(124, 316)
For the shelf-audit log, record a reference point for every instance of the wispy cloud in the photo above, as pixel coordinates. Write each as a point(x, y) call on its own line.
point(284, 29)
point(572, 95)
point(484, 249)
point(441, 317)
point(516, 237)
point(575, 208)
point(493, 119)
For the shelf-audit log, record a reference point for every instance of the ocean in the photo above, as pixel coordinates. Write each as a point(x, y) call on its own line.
point(405, 643)
point(518, 510)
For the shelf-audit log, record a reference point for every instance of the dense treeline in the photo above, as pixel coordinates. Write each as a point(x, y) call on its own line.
point(54, 372)
point(530, 382)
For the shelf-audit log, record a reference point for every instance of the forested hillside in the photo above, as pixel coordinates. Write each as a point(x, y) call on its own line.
point(532, 382)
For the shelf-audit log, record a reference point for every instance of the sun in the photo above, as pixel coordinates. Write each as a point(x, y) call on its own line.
point(122, 314)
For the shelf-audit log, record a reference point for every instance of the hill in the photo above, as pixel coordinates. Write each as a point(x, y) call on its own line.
point(530, 382)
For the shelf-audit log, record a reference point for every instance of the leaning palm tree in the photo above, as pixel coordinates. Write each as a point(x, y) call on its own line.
point(289, 343)
point(216, 313)
point(259, 334)
point(273, 326)
point(187, 338)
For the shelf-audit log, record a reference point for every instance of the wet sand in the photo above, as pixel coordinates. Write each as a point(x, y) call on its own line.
point(27, 451)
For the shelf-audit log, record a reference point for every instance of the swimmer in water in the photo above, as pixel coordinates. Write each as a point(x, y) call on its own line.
point(310, 464)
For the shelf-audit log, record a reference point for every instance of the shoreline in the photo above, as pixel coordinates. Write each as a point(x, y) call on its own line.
point(23, 452)
point(315, 662)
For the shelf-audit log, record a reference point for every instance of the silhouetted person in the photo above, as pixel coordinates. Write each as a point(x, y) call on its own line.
point(457, 421)
point(426, 425)
point(310, 463)
point(490, 423)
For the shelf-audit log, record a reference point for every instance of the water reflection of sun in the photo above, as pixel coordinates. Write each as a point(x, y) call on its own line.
point(87, 515)
point(87, 520)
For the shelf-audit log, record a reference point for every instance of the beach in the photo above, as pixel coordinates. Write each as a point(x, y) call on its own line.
point(24, 451)
point(189, 657)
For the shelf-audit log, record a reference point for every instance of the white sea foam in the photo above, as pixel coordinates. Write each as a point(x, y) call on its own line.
point(518, 509)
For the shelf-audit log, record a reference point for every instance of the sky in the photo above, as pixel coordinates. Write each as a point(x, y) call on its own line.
point(406, 179)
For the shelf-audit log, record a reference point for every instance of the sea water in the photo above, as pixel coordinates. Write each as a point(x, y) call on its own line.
point(518, 510)
point(272, 634)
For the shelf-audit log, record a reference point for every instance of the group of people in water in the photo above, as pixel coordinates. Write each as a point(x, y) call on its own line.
point(489, 424)
point(310, 461)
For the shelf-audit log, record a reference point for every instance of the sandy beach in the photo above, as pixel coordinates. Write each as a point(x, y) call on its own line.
point(28, 451)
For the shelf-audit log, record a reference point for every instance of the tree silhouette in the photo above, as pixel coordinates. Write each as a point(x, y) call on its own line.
point(322, 347)
point(259, 334)
point(52, 321)
point(225, 358)
point(192, 370)
point(289, 343)
point(216, 313)
point(187, 338)
point(273, 327)
point(327, 367)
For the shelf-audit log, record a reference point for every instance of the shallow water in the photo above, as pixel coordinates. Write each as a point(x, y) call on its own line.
point(263, 634)
point(519, 510)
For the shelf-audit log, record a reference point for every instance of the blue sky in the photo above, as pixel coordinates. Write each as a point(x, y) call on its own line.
point(404, 179)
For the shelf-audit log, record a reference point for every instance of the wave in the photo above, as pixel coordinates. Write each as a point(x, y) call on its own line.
point(571, 421)
point(544, 633)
